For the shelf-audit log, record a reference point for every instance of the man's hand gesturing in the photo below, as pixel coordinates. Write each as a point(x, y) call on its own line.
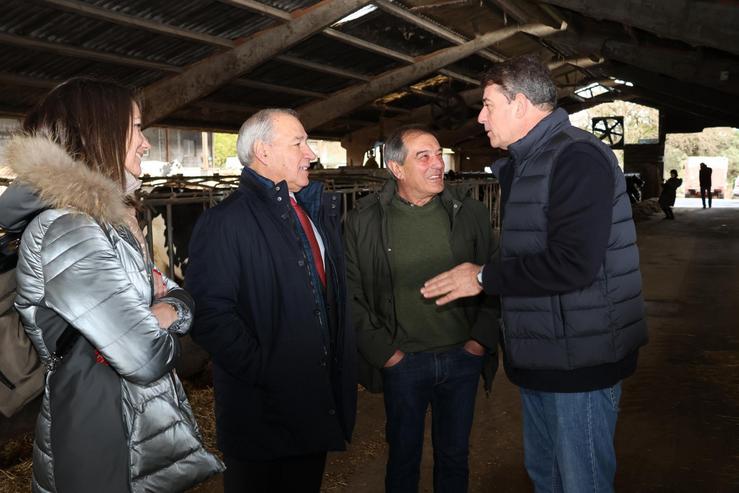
point(459, 282)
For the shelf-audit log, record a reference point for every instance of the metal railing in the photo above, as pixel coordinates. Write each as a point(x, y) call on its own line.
point(160, 195)
point(168, 192)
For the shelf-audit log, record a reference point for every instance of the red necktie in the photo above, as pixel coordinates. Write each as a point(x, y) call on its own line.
point(308, 229)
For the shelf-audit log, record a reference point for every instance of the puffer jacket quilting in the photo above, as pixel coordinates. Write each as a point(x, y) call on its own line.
point(78, 263)
point(600, 323)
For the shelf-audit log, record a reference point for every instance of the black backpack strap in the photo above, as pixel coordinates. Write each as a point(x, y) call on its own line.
point(70, 335)
point(5, 381)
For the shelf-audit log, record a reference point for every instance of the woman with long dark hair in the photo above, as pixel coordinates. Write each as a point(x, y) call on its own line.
point(105, 323)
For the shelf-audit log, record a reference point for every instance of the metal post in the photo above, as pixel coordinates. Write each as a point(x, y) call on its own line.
point(149, 233)
point(170, 249)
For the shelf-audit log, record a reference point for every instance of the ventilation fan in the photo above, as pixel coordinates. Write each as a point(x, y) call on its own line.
point(610, 130)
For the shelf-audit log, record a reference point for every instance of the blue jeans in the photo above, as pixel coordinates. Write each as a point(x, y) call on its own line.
point(568, 439)
point(448, 381)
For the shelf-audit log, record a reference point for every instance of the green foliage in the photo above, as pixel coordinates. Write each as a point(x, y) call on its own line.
point(720, 141)
point(640, 122)
point(675, 158)
point(224, 145)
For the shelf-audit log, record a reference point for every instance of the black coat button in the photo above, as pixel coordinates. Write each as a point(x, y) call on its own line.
point(332, 411)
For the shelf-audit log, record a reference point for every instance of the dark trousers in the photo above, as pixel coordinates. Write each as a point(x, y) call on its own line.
point(299, 474)
point(668, 211)
point(448, 381)
point(704, 191)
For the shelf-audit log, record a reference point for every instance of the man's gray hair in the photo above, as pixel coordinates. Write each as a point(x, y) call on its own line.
point(395, 149)
point(526, 75)
point(257, 127)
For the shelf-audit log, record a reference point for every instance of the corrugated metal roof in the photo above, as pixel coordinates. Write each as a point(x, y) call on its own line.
point(43, 42)
point(385, 30)
point(326, 51)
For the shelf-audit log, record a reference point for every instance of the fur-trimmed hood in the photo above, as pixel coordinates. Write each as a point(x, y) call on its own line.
point(46, 176)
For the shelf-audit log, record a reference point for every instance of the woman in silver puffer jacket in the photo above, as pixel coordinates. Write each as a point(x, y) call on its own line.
point(114, 416)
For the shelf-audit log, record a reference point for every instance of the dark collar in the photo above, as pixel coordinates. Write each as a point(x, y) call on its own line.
point(549, 126)
point(264, 182)
point(309, 197)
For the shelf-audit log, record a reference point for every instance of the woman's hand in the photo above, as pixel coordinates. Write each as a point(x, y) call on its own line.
point(160, 285)
point(165, 313)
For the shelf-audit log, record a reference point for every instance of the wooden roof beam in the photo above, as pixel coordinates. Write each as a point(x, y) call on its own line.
point(708, 100)
point(260, 8)
point(607, 97)
point(107, 15)
point(342, 102)
point(87, 54)
point(320, 67)
point(372, 47)
point(335, 34)
point(84, 53)
point(684, 21)
point(432, 27)
point(687, 65)
point(420, 115)
point(25, 81)
point(201, 78)
point(524, 11)
point(82, 8)
point(366, 45)
point(664, 103)
point(581, 62)
point(257, 84)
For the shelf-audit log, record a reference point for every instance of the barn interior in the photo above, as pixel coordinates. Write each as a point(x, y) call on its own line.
point(357, 69)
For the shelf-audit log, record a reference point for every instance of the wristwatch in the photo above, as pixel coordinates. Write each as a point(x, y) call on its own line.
point(479, 275)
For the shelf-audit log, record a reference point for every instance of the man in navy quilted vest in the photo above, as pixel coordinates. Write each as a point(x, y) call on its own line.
point(568, 277)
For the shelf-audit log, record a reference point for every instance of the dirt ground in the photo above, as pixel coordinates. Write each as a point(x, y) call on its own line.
point(679, 425)
point(678, 429)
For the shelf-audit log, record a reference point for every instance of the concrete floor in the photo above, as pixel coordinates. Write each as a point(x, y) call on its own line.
point(678, 429)
point(679, 425)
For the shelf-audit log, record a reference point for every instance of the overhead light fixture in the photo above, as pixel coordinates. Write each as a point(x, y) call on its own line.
point(355, 15)
point(622, 82)
point(591, 90)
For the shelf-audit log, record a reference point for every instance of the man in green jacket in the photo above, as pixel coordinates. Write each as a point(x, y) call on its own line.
point(419, 353)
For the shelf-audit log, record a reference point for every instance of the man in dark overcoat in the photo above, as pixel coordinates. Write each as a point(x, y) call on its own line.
point(268, 278)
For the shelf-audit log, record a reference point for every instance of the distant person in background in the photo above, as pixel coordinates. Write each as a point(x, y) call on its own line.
point(704, 176)
point(667, 197)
